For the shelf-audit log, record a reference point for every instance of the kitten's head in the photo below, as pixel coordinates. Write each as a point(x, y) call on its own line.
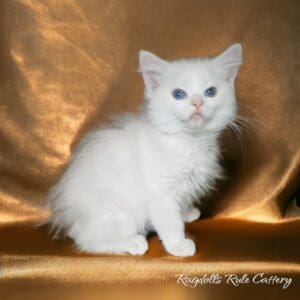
point(191, 95)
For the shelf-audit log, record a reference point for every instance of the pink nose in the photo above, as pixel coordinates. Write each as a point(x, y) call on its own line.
point(197, 103)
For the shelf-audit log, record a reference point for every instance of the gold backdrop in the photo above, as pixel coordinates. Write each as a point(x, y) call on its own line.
point(65, 65)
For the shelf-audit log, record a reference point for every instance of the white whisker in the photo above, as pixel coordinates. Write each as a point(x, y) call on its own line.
point(237, 131)
point(254, 119)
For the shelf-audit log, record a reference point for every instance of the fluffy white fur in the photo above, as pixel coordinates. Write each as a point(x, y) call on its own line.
point(146, 171)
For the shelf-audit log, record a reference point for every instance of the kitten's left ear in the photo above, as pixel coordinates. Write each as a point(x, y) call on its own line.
point(229, 61)
point(152, 68)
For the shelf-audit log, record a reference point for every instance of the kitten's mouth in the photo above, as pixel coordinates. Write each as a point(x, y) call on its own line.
point(196, 115)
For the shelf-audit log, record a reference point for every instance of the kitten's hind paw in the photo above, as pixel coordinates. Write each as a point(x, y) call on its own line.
point(186, 247)
point(191, 215)
point(138, 245)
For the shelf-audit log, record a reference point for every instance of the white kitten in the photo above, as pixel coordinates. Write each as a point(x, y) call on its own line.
point(146, 171)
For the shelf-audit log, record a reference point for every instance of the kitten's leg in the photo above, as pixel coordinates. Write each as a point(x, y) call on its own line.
point(168, 223)
point(109, 234)
point(190, 213)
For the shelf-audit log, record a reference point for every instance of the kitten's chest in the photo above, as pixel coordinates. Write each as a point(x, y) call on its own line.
point(197, 162)
point(196, 168)
point(185, 167)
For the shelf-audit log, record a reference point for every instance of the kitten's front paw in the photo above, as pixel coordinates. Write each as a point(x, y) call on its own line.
point(192, 215)
point(186, 247)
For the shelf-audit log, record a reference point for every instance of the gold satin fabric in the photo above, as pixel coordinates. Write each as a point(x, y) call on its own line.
point(66, 65)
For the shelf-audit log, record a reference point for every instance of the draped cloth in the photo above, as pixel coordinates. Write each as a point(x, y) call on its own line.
point(67, 65)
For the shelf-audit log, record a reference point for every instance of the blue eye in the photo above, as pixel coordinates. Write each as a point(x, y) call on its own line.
point(210, 92)
point(179, 94)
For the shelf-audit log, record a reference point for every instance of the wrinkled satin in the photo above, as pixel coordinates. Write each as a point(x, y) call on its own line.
point(66, 65)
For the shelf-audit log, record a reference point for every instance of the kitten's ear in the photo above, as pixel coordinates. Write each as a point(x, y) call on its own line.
point(229, 61)
point(152, 68)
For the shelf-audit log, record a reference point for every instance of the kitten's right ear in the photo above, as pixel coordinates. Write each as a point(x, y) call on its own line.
point(152, 68)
